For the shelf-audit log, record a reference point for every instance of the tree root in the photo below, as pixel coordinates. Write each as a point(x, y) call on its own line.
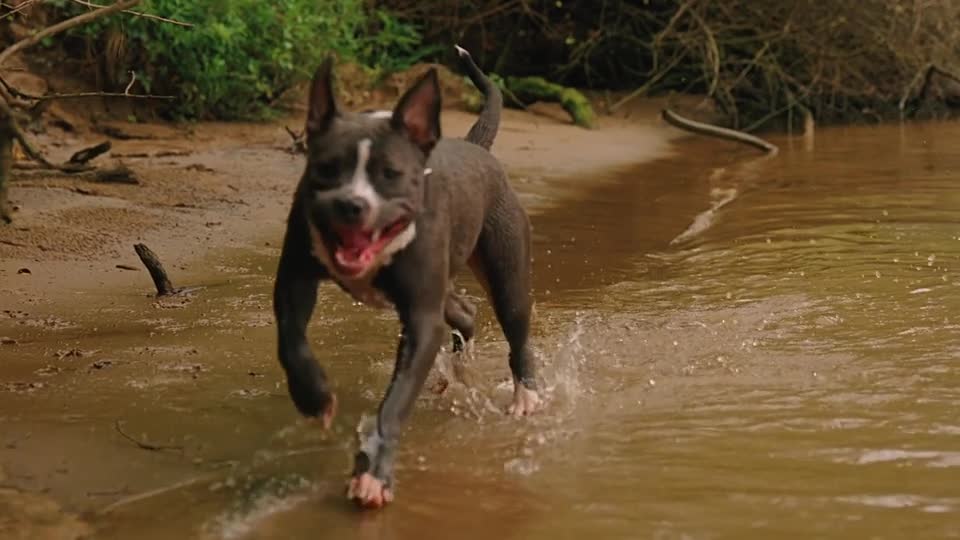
point(701, 128)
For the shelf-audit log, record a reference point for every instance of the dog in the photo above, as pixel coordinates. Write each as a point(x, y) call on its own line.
point(391, 212)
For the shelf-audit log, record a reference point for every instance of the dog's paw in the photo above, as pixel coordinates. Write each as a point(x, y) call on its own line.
point(525, 401)
point(367, 491)
point(440, 386)
point(459, 342)
point(328, 414)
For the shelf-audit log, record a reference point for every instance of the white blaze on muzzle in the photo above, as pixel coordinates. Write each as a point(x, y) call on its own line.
point(360, 185)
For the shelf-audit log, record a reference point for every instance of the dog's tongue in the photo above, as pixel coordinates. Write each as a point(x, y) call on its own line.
point(354, 253)
point(354, 239)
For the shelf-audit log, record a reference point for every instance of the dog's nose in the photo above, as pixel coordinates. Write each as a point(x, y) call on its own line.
point(351, 209)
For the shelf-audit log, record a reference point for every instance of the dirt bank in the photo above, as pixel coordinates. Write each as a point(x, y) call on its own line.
point(212, 186)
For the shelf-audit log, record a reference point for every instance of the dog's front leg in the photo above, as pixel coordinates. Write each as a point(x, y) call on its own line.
point(294, 297)
point(423, 333)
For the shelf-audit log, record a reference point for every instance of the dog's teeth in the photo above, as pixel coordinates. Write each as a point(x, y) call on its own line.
point(376, 235)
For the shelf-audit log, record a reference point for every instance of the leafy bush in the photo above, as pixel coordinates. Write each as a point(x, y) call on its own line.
point(241, 55)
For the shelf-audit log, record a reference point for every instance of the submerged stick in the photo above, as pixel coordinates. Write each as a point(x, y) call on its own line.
point(701, 128)
point(142, 445)
point(157, 273)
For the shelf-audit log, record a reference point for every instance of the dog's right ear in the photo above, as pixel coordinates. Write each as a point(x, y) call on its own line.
point(322, 101)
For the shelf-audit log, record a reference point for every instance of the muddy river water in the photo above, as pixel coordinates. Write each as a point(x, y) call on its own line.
point(732, 348)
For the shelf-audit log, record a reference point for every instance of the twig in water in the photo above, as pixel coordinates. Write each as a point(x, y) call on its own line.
point(142, 445)
point(157, 273)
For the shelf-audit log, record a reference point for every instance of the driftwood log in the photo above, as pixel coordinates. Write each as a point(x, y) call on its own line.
point(701, 128)
point(157, 273)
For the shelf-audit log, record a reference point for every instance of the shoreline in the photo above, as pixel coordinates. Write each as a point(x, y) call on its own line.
point(221, 185)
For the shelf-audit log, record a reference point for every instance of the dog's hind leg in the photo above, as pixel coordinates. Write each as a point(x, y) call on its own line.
point(501, 262)
point(459, 314)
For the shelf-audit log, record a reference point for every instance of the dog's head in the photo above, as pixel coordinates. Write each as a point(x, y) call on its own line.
point(364, 181)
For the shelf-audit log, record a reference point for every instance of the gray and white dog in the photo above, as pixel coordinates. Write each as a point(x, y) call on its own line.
point(391, 212)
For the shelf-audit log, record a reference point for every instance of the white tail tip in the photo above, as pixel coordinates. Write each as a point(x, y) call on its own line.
point(461, 51)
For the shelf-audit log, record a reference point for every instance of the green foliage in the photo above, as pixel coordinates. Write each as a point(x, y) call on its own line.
point(241, 55)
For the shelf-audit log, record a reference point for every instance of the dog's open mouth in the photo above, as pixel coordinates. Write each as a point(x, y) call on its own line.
point(356, 250)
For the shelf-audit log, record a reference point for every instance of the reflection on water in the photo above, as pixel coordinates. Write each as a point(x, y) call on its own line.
point(732, 348)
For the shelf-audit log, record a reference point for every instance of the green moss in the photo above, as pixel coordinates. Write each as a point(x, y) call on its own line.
point(530, 89)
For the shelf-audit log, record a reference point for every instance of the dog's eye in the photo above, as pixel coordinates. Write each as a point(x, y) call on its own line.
point(391, 174)
point(326, 169)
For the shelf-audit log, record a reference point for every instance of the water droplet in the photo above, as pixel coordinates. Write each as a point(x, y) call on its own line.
point(521, 466)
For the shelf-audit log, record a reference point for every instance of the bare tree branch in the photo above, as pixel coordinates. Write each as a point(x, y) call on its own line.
point(63, 26)
point(18, 9)
point(19, 98)
point(137, 14)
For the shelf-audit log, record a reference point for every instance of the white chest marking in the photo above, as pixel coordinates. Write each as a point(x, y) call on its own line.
point(380, 114)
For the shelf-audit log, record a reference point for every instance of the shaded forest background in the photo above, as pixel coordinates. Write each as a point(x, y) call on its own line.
point(764, 63)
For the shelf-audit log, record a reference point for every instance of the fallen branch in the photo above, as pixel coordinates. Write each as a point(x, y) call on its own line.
point(700, 128)
point(87, 154)
point(24, 99)
point(157, 273)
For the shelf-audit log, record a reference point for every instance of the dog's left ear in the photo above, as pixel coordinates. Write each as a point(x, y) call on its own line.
point(418, 113)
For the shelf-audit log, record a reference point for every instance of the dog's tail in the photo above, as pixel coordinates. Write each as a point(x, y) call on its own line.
point(485, 129)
